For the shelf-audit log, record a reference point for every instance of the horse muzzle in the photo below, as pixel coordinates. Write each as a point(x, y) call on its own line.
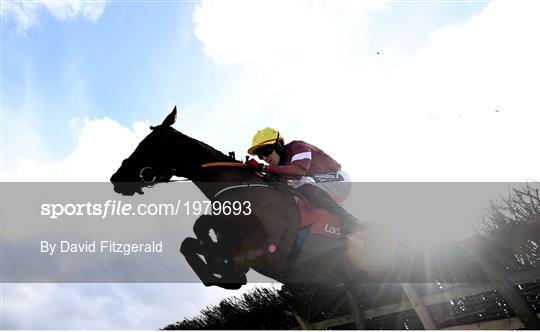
point(127, 188)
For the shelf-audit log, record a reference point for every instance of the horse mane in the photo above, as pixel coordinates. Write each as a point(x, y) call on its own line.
point(216, 155)
point(220, 156)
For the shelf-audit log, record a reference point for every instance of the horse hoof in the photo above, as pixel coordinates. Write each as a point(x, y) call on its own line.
point(232, 286)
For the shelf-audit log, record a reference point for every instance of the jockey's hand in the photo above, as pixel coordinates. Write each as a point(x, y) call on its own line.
point(254, 165)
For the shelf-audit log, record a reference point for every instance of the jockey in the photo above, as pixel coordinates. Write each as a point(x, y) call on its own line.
point(317, 176)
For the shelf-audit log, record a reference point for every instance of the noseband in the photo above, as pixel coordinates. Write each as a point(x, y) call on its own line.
point(149, 175)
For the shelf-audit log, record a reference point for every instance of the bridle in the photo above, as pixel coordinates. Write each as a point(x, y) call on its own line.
point(149, 175)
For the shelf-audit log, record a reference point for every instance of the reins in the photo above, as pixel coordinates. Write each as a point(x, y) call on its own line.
point(224, 163)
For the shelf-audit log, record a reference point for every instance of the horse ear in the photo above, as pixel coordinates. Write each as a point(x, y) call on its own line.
point(170, 119)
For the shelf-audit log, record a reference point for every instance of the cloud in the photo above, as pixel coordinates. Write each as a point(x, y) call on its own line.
point(240, 31)
point(26, 14)
point(461, 108)
point(290, 64)
point(488, 63)
point(103, 140)
point(469, 95)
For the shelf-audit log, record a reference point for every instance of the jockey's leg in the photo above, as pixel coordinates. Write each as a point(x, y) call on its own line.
point(321, 199)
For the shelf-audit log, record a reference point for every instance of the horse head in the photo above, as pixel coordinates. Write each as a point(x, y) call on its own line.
point(154, 159)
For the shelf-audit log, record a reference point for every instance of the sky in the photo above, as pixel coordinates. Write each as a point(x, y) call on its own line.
point(394, 90)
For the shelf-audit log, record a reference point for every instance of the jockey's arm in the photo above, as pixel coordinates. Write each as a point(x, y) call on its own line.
point(297, 168)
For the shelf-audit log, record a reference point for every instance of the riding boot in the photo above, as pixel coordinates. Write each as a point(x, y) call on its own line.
point(317, 197)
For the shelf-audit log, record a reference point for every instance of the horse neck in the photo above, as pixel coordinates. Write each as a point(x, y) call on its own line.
point(209, 179)
point(215, 179)
point(190, 154)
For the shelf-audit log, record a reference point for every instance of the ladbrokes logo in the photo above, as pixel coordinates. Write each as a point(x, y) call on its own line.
point(356, 238)
point(332, 230)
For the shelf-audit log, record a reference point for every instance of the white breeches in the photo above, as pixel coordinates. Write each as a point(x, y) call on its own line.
point(338, 190)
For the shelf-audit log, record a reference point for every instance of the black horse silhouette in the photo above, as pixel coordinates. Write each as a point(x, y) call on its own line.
point(268, 240)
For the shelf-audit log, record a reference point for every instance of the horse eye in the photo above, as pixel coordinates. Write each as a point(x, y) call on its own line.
point(147, 174)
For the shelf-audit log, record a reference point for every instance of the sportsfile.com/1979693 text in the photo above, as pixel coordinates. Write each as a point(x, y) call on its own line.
point(111, 208)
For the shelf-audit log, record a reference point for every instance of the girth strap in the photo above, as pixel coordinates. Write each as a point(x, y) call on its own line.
point(246, 185)
point(297, 246)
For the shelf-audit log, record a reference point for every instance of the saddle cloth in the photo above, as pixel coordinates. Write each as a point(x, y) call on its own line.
point(324, 223)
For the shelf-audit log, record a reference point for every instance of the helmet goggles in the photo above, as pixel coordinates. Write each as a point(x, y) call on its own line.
point(264, 151)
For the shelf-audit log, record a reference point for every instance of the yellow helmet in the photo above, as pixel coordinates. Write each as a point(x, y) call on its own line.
point(266, 136)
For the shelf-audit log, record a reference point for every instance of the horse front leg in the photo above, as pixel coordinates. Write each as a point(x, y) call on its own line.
point(192, 251)
point(218, 267)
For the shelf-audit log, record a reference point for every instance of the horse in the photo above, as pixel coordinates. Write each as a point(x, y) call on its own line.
point(270, 239)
